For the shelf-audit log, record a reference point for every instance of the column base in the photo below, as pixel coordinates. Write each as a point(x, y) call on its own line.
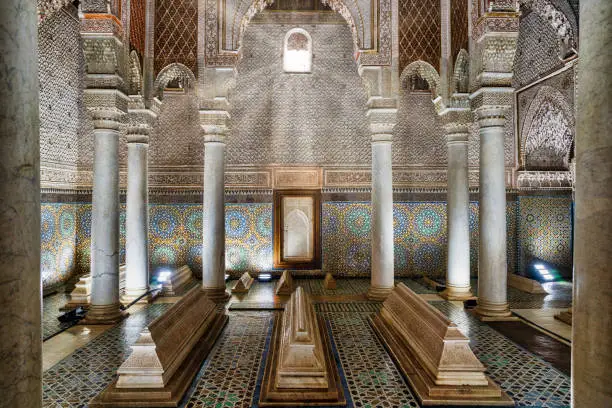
point(104, 314)
point(493, 312)
point(457, 293)
point(378, 294)
point(217, 295)
point(131, 295)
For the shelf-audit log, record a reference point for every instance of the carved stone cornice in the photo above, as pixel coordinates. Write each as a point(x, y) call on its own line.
point(550, 180)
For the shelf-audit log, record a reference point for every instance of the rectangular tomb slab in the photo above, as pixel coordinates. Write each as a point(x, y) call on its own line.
point(300, 369)
point(432, 354)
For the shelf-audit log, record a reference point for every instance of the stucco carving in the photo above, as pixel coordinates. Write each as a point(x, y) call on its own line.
point(135, 72)
point(461, 73)
point(177, 74)
point(423, 70)
point(561, 22)
point(549, 130)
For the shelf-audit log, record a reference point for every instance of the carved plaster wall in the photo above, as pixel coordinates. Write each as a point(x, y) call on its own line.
point(280, 118)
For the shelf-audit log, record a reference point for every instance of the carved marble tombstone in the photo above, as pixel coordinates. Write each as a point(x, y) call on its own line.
point(167, 355)
point(300, 368)
point(284, 287)
point(243, 284)
point(432, 354)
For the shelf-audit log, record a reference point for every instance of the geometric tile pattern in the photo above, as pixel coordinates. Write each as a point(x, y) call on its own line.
point(419, 233)
point(529, 380)
point(228, 377)
point(419, 32)
point(175, 237)
point(231, 371)
point(545, 231)
point(51, 305)
point(176, 31)
point(76, 379)
point(58, 226)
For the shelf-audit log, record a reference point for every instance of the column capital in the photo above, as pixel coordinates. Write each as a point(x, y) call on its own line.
point(456, 132)
point(382, 115)
point(107, 107)
point(214, 124)
point(491, 116)
point(382, 137)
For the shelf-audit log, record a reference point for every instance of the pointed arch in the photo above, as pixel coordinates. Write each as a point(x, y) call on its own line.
point(424, 71)
point(548, 131)
point(135, 74)
point(564, 24)
point(461, 72)
point(175, 73)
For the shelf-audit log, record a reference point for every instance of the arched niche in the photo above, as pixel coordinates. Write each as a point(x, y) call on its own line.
point(297, 51)
point(175, 76)
point(417, 74)
point(548, 132)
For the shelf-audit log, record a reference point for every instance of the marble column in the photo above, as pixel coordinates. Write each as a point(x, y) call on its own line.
point(104, 308)
point(382, 218)
point(20, 290)
point(137, 218)
point(492, 266)
point(458, 213)
point(592, 306)
point(213, 247)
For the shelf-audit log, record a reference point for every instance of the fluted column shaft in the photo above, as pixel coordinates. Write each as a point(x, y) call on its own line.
point(458, 213)
point(592, 307)
point(213, 247)
point(137, 219)
point(20, 287)
point(382, 218)
point(104, 308)
point(492, 266)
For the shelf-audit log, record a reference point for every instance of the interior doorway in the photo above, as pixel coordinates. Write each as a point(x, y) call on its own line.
point(297, 241)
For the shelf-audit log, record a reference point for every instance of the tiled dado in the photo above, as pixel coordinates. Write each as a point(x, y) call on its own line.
point(175, 236)
point(419, 233)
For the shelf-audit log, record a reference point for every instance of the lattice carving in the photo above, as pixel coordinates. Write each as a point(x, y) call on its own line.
point(137, 26)
point(176, 27)
point(549, 130)
point(419, 32)
point(459, 26)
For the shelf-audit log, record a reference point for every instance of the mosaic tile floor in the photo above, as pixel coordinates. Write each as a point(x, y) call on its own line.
point(230, 373)
point(51, 306)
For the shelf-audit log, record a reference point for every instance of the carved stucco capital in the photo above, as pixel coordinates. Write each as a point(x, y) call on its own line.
point(491, 116)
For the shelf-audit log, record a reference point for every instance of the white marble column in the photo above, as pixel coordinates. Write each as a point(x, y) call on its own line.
point(492, 266)
point(213, 247)
point(104, 308)
point(382, 218)
point(592, 306)
point(137, 219)
point(20, 287)
point(458, 215)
